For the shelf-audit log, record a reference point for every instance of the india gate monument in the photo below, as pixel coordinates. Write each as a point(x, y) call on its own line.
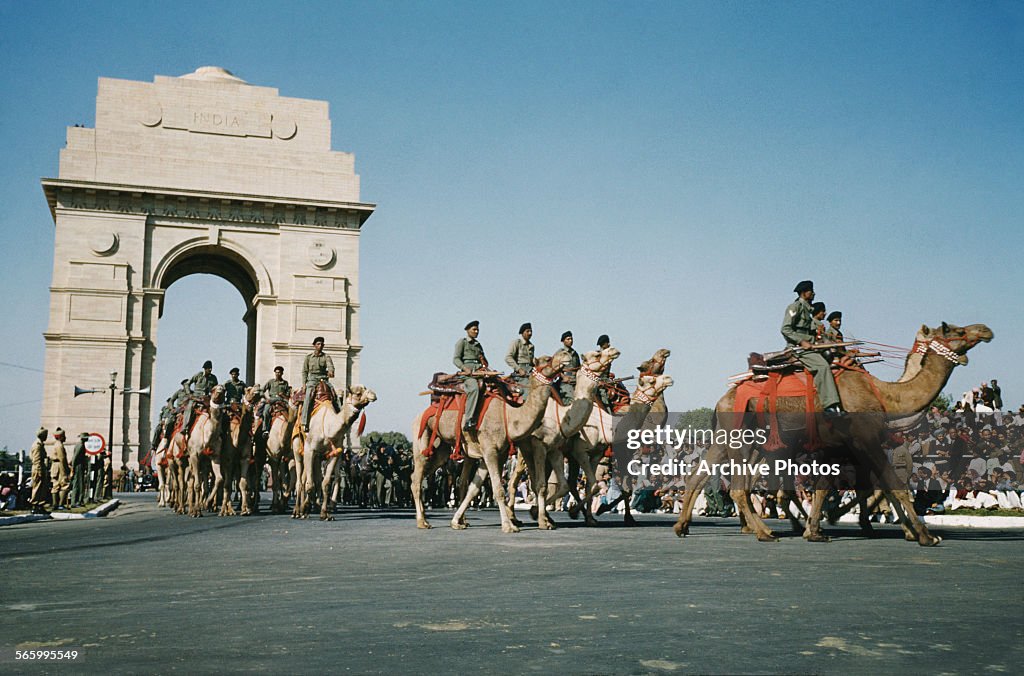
point(202, 173)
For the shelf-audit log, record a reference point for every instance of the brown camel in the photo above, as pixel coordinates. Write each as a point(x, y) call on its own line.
point(279, 453)
point(500, 425)
point(324, 441)
point(236, 455)
point(541, 452)
point(873, 404)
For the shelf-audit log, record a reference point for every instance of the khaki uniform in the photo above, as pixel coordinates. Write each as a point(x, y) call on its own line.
point(234, 391)
point(797, 326)
point(273, 390)
point(59, 474)
point(202, 385)
point(520, 356)
point(314, 369)
point(568, 386)
point(40, 477)
point(469, 356)
point(902, 464)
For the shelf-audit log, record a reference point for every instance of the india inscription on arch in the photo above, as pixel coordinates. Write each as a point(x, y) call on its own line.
point(199, 173)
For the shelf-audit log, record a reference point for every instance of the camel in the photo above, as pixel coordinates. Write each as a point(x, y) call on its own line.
point(236, 455)
point(499, 426)
point(541, 452)
point(278, 452)
point(875, 404)
point(202, 442)
point(587, 447)
point(324, 441)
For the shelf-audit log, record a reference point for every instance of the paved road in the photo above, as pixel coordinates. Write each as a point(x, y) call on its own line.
point(149, 591)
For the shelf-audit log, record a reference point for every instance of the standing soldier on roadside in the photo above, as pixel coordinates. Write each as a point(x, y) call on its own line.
point(40, 483)
point(79, 472)
point(59, 471)
point(469, 357)
point(568, 386)
point(520, 355)
point(234, 389)
point(276, 389)
point(316, 367)
point(204, 382)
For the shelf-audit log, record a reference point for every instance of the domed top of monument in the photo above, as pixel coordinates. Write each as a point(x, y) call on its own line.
point(214, 74)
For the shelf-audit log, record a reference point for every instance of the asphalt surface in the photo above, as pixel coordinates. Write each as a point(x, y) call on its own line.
point(145, 590)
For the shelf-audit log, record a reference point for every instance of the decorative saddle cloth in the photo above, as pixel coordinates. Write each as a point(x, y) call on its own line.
point(448, 384)
point(763, 394)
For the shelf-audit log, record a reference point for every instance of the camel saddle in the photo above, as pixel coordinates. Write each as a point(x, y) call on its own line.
point(764, 392)
point(323, 392)
point(450, 384)
point(783, 361)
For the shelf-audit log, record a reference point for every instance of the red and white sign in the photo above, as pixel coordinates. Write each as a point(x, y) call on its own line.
point(95, 444)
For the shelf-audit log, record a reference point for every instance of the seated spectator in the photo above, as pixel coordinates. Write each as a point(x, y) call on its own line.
point(929, 496)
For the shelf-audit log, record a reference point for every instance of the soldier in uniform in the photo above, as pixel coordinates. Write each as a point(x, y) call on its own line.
point(818, 322)
point(234, 389)
point(568, 386)
point(604, 341)
point(201, 384)
point(59, 471)
point(275, 389)
point(520, 355)
point(469, 357)
point(316, 367)
point(79, 472)
point(797, 329)
point(40, 477)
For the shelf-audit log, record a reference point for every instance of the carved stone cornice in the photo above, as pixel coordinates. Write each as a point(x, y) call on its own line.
point(200, 206)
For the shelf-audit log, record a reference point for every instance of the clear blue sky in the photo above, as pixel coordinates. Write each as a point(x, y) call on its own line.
point(663, 172)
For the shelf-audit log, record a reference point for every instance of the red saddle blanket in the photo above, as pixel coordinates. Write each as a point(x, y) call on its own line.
point(765, 393)
point(457, 403)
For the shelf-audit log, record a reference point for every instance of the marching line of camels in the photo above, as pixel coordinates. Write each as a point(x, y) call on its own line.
point(198, 473)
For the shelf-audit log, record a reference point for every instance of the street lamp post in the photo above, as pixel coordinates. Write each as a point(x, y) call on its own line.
point(108, 491)
point(109, 488)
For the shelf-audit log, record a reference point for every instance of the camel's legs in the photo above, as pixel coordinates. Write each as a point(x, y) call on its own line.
point(515, 477)
point(533, 452)
point(459, 518)
point(580, 452)
point(424, 466)
point(327, 502)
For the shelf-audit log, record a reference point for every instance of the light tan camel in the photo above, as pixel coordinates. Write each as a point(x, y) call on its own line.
point(203, 442)
point(279, 454)
point(541, 452)
point(588, 447)
point(873, 404)
point(325, 441)
point(500, 425)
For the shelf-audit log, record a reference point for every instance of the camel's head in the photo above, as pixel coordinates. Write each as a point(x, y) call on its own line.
point(549, 367)
point(650, 387)
point(599, 361)
point(217, 395)
point(952, 342)
point(360, 396)
point(252, 394)
point(656, 364)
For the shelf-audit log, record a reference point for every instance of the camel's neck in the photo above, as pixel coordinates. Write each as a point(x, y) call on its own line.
point(905, 397)
point(585, 387)
point(523, 420)
point(336, 424)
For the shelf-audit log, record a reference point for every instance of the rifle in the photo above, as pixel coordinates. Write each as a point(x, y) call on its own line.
point(616, 380)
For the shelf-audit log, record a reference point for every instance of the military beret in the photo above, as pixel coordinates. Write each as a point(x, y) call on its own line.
point(602, 339)
point(817, 307)
point(83, 435)
point(318, 339)
point(471, 325)
point(834, 315)
point(207, 364)
point(279, 368)
point(234, 370)
point(806, 285)
point(525, 326)
point(567, 334)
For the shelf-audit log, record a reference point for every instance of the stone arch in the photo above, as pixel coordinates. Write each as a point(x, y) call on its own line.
point(226, 259)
